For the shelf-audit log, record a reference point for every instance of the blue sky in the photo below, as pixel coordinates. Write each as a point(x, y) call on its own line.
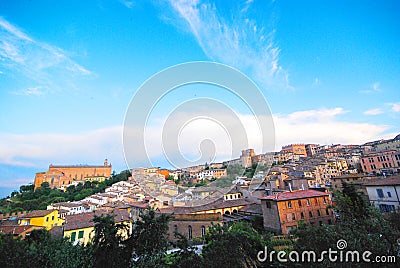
point(328, 69)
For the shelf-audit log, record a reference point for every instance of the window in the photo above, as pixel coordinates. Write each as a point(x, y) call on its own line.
point(268, 203)
point(389, 194)
point(190, 232)
point(310, 214)
point(316, 201)
point(47, 218)
point(307, 202)
point(327, 211)
point(80, 234)
point(203, 231)
point(73, 236)
point(299, 202)
point(319, 213)
point(52, 218)
point(302, 215)
point(293, 216)
point(175, 228)
point(289, 204)
point(324, 200)
point(380, 193)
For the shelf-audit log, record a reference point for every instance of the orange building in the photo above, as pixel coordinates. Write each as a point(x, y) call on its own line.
point(59, 176)
point(164, 172)
point(283, 211)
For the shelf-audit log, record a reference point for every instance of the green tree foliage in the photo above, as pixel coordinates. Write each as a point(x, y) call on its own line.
point(111, 248)
point(150, 239)
point(360, 224)
point(234, 246)
point(186, 256)
point(40, 250)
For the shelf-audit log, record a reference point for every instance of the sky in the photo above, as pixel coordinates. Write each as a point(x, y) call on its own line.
point(329, 71)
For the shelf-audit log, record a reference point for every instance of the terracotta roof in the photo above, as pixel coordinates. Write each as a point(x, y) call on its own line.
point(395, 180)
point(298, 194)
point(36, 213)
point(85, 220)
point(17, 229)
point(217, 204)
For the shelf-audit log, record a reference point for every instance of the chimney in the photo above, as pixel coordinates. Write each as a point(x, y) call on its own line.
point(290, 187)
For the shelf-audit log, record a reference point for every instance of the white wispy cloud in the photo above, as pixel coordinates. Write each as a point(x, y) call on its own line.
point(41, 149)
point(33, 91)
point(42, 63)
point(395, 107)
point(323, 126)
point(375, 111)
point(236, 40)
point(126, 3)
point(373, 88)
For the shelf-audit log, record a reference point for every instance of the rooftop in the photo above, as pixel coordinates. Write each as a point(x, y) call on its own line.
point(298, 194)
point(36, 213)
point(395, 180)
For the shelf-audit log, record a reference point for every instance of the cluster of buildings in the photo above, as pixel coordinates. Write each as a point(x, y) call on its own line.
point(298, 186)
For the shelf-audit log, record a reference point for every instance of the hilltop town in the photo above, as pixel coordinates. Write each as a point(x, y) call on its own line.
point(296, 183)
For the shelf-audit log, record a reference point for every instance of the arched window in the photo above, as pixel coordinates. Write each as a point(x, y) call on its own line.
point(319, 213)
point(327, 211)
point(299, 202)
point(175, 228)
point(190, 232)
point(203, 231)
point(227, 212)
point(302, 215)
point(234, 211)
point(293, 216)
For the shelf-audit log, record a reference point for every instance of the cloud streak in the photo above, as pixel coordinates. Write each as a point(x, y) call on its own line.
point(38, 61)
point(375, 111)
point(374, 88)
point(322, 126)
point(237, 41)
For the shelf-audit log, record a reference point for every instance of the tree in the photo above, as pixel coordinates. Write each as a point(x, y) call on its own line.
point(39, 249)
point(111, 248)
point(361, 225)
point(186, 256)
point(150, 238)
point(234, 246)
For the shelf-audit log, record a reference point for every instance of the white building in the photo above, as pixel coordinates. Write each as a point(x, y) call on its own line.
point(384, 193)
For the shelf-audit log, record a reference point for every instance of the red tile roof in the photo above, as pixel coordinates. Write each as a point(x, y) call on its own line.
point(298, 194)
point(36, 213)
point(395, 180)
point(17, 229)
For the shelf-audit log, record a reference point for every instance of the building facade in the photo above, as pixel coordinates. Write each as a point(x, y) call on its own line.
point(283, 211)
point(61, 176)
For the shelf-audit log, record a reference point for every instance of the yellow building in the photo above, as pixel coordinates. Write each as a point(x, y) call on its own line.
point(79, 228)
point(43, 218)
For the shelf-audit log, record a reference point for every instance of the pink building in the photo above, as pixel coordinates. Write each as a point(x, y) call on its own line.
point(381, 161)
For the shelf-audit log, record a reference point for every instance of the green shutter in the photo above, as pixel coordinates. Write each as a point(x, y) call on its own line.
point(80, 234)
point(73, 236)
